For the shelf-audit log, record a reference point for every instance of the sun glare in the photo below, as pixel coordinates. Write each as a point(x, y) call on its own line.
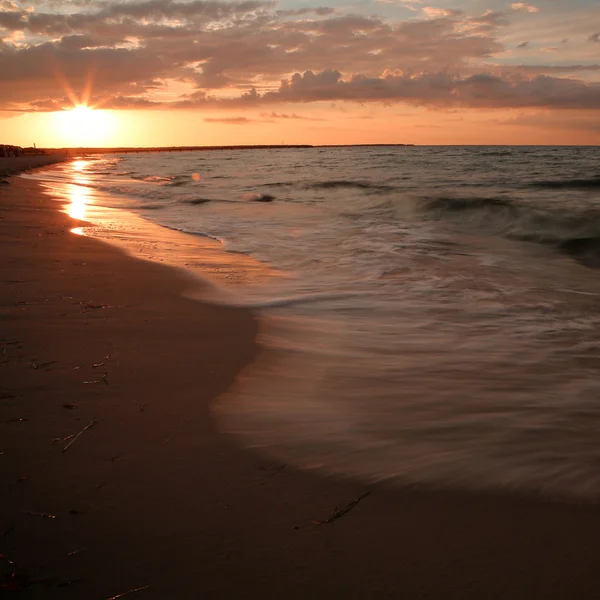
point(84, 126)
point(78, 192)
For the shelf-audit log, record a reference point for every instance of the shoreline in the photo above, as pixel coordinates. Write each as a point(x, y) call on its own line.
point(153, 495)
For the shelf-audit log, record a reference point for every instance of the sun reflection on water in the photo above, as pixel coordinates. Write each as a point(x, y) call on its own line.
point(78, 192)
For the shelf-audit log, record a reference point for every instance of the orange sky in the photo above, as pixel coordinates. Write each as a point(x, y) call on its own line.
point(332, 126)
point(162, 72)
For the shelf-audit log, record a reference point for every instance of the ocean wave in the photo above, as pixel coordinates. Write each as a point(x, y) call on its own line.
point(590, 183)
point(309, 298)
point(453, 204)
point(279, 184)
point(576, 235)
point(343, 183)
point(585, 250)
point(194, 232)
point(196, 201)
point(256, 197)
point(157, 179)
point(180, 180)
point(151, 206)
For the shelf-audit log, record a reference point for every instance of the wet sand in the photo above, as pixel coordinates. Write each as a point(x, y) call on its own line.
point(150, 494)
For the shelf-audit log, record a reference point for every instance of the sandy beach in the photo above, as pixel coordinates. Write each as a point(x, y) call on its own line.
point(115, 480)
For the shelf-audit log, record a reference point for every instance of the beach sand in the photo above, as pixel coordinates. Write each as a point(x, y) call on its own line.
point(152, 495)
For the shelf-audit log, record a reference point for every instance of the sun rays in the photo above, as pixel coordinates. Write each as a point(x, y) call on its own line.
point(84, 126)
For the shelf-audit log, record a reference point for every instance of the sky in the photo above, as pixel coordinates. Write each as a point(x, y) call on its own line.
point(170, 72)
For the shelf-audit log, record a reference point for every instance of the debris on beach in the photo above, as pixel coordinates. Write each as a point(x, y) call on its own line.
point(44, 515)
point(12, 581)
point(75, 437)
point(42, 365)
point(343, 511)
point(122, 595)
point(101, 364)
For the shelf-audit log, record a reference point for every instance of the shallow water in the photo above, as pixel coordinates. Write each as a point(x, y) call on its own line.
point(431, 315)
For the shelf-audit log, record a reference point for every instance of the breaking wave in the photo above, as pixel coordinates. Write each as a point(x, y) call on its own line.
point(343, 183)
point(576, 235)
point(591, 183)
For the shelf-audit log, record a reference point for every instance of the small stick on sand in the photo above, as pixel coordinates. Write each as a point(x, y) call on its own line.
point(88, 426)
point(42, 365)
point(144, 587)
point(40, 514)
point(96, 365)
point(340, 513)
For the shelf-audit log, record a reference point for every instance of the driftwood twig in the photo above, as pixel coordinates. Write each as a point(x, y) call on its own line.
point(88, 426)
point(96, 365)
point(40, 514)
point(144, 587)
point(340, 513)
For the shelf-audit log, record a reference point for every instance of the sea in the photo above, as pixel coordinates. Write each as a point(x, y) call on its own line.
point(429, 316)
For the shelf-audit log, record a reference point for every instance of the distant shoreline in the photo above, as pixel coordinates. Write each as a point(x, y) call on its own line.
point(18, 164)
point(142, 150)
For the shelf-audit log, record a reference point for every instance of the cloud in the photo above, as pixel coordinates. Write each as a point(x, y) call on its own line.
point(595, 37)
point(132, 48)
point(441, 90)
point(320, 10)
point(293, 116)
point(487, 23)
point(532, 70)
point(230, 120)
point(522, 7)
point(435, 13)
point(221, 54)
point(549, 120)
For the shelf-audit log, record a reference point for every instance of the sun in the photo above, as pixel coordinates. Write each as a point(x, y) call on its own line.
point(84, 126)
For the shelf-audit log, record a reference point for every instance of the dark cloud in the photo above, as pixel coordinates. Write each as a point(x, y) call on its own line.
point(321, 11)
point(230, 120)
point(12, 20)
point(285, 116)
point(595, 37)
point(482, 90)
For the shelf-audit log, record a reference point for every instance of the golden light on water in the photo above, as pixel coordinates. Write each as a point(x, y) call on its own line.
point(78, 196)
point(78, 192)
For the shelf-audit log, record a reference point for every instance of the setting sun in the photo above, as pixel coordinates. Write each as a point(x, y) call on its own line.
point(84, 126)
